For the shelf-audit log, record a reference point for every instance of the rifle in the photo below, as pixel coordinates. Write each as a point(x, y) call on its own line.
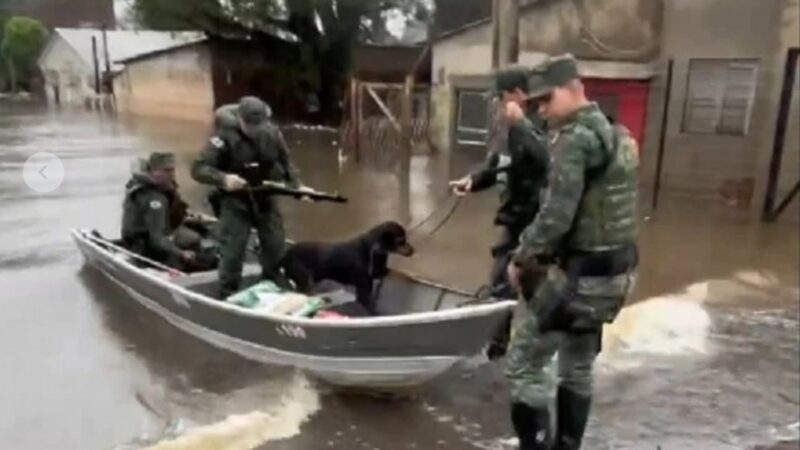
point(273, 188)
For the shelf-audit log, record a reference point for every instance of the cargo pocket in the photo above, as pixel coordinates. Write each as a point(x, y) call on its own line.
point(605, 296)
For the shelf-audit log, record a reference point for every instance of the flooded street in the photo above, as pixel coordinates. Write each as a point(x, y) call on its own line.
point(705, 357)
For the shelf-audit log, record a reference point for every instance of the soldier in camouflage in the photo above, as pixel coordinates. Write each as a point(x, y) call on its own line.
point(522, 168)
point(583, 243)
point(153, 213)
point(244, 151)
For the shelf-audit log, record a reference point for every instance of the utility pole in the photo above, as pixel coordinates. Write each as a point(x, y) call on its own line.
point(505, 33)
point(495, 34)
point(107, 75)
point(96, 66)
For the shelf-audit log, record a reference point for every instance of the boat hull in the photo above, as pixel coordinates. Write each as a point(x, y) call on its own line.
point(384, 352)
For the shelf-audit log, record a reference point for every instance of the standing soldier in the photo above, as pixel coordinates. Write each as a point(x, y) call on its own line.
point(523, 168)
point(241, 155)
point(584, 238)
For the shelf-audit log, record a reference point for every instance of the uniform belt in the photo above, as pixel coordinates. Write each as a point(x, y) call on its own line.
point(599, 264)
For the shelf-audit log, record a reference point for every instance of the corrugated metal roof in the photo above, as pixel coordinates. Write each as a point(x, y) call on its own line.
point(122, 44)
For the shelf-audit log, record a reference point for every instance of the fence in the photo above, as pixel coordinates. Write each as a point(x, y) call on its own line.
point(377, 129)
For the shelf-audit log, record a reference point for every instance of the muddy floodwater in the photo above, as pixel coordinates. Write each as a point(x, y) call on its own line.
point(704, 357)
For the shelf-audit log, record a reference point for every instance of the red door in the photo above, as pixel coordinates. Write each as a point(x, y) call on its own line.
point(624, 100)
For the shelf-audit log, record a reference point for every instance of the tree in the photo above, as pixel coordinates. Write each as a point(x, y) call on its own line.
point(327, 30)
point(3, 66)
point(23, 39)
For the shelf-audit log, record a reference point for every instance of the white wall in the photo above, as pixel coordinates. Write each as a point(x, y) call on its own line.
point(174, 84)
point(469, 52)
point(64, 69)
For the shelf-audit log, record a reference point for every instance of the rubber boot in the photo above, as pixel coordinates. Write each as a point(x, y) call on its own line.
point(532, 426)
point(573, 414)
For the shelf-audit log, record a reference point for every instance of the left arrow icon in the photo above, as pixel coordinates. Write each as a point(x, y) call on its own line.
point(43, 172)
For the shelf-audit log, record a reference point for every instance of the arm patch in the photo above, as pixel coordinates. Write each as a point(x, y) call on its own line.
point(217, 142)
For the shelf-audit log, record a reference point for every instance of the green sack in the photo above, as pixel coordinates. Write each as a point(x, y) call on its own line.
point(248, 298)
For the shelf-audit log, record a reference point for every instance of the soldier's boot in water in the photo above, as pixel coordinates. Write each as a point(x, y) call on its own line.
point(532, 426)
point(572, 416)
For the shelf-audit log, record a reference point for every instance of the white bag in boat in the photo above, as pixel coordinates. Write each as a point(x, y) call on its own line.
point(287, 304)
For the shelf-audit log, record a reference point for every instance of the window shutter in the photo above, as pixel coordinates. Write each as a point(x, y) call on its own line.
point(720, 96)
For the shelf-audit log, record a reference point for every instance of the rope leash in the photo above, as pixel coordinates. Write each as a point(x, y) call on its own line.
point(452, 207)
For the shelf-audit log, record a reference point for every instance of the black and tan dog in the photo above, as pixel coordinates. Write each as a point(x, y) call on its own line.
point(358, 262)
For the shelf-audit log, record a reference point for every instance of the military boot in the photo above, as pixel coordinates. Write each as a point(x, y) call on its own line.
point(573, 414)
point(532, 426)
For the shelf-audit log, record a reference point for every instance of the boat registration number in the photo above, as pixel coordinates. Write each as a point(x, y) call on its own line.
point(292, 331)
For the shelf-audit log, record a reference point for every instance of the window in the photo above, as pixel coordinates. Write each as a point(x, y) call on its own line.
point(472, 119)
point(720, 95)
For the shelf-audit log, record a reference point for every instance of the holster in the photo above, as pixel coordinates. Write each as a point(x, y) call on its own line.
point(564, 313)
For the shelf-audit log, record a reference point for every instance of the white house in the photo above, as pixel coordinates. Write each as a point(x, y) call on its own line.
point(68, 60)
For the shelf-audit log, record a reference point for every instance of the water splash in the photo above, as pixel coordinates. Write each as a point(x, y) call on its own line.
point(676, 324)
point(250, 430)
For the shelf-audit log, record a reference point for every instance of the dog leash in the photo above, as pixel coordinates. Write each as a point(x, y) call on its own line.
point(451, 209)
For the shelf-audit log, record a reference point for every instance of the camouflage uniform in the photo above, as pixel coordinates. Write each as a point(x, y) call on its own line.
point(257, 158)
point(587, 227)
point(522, 171)
point(151, 218)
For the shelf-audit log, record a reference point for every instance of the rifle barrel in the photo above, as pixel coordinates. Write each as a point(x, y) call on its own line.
point(279, 189)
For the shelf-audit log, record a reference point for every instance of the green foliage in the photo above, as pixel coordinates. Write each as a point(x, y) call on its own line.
point(23, 39)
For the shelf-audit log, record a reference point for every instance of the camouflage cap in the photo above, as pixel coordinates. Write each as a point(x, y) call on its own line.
point(554, 72)
point(158, 160)
point(253, 110)
point(510, 79)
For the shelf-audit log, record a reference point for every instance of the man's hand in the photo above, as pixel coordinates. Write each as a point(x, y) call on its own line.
point(513, 274)
point(304, 198)
point(513, 113)
point(234, 182)
point(525, 272)
point(461, 187)
point(187, 255)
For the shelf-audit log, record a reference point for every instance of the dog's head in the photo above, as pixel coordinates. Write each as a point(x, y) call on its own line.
point(391, 238)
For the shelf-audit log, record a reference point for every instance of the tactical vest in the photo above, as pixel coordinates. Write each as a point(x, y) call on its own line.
point(607, 215)
point(255, 159)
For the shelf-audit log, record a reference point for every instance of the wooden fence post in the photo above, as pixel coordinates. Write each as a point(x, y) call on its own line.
point(355, 116)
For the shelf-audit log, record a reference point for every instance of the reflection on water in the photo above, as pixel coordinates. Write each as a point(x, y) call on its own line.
point(705, 357)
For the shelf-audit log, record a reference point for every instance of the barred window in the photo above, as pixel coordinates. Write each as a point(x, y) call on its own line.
point(472, 117)
point(719, 96)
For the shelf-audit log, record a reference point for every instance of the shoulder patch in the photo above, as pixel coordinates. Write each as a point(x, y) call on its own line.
point(155, 204)
point(217, 142)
